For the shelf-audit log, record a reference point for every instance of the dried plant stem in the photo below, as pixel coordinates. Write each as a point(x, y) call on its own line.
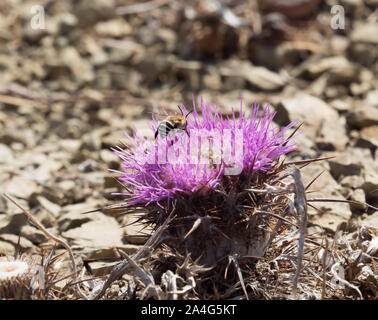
point(324, 269)
point(51, 236)
point(301, 207)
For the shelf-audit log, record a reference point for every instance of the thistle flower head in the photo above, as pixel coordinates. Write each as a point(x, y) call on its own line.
point(157, 171)
point(11, 269)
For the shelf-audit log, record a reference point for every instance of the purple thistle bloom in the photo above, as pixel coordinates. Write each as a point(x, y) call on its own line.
point(156, 171)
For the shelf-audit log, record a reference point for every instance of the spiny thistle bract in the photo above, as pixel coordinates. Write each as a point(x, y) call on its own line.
point(219, 217)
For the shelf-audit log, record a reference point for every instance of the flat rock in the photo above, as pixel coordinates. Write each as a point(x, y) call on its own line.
point(349, 162)
point(339, 69)
point(6, 154)
point(12, 222)
point(70, 145)
point(99, 253)
point(20, 187)
point(80, 68)
point(311, 110)
point(7, 248)
point(259, 77)
point(100, 268)
point(371, 220)
point(366, 32)
point(50, 206)
point(104, 232)
point(369, 137)
point(325, 187)
point(352, 182)
point(91, 11)
point(25, 244)
point(113, 139)
point(263, 79)
point(372, 98)
point(135, 232)
point(370, 185)
point(363, 116)
point(359, 196)
point(73, 216)
point(33, 234)
point(332, 136)
point(113, 28)
point(109, 158)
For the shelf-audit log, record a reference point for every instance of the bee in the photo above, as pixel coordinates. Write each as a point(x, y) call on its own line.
point(172, 122)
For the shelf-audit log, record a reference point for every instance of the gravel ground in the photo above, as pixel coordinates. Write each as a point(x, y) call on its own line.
point(68, 91)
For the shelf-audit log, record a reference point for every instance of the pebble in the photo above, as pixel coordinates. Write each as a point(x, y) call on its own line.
point(363, 116)
point(102, 232)
point(6, 154)
point(326, 187)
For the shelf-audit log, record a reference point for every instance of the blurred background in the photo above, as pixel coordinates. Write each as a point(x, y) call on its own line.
point(74, 74)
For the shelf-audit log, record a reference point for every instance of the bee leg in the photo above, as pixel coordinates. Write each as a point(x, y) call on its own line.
point(156, 133)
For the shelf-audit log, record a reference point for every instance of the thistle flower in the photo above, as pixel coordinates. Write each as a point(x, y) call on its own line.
point(158, 171)
point(224, 183)
point(28, 277)
point(15, 278)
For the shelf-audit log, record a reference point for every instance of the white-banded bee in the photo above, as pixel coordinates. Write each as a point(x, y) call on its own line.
point(172, 122)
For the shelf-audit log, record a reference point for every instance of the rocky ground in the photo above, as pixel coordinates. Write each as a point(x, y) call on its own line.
point(99, 67)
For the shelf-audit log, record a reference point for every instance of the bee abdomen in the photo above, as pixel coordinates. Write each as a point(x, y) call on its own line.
point(163, 129)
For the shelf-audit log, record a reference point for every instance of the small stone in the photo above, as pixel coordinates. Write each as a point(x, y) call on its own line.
point(369, 137)
point(339, 44)
point(89, 12)
point(113, 28)
point(365, 32)
point(25, 244)
point(339, 69)
point(370, 185)
point(363, 116)
point(51, 207)
point(332, 136)
point(372, 98)
point(263, 78)
point(100, 253)
point(73, 216)
point(7, 248)
point(70, 145)
point(342, 105)
point(113, 139)
point(353, 182)
point(6, 154)
point(12, 222)
point(371, 220)
point(20, 187)
point(333, 213)
point(33, 234)
point(359, 196)
point(110, 158)
point(68, 22)
point(348, 163)
point(111, 181)
point(102, 232)
point(136, 232)
point(100, 268)
point(258, 77)
point(311, 110)
point(79, 67)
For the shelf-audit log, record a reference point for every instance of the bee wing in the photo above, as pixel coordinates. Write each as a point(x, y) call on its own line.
point(158, 116)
